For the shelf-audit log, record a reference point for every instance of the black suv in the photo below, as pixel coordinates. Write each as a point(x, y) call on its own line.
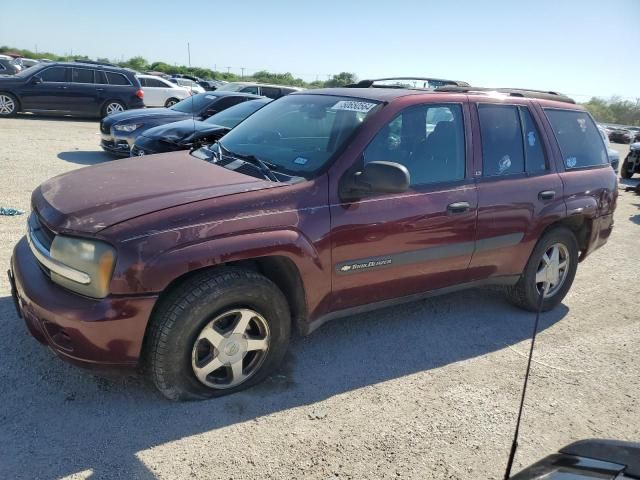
point(78, 88)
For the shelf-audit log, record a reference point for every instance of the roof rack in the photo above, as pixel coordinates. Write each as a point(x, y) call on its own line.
point(412, 83)
point(512, 92)
point(93, 62)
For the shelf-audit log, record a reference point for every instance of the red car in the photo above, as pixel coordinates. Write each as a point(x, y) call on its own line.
point(322, 204)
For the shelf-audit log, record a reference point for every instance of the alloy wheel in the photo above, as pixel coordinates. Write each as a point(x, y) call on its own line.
point(7, 105)
point(231, 348)
point(552, 269)
point(114, 107)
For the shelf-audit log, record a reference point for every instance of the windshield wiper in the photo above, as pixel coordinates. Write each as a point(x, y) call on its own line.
point(263, 167)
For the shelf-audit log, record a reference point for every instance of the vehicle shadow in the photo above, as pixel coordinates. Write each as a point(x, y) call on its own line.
point(61, 118)
point(82, 157)
point(59, 420)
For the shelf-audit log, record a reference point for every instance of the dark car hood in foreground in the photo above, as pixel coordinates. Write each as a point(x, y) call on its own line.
point(91, 199)
point(185, 129)
point(140, 114)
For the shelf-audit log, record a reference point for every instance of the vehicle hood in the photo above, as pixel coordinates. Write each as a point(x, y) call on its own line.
point(177, 132)
point(94, 198)
point(142, 114)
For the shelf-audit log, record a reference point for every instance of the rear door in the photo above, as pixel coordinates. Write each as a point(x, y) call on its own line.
point(51, 93)
point(396, 245)
point(519, 190)
point(82, 92)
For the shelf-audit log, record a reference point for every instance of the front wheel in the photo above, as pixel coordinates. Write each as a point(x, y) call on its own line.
point(113, 106)
point(552, 267)
point(171, 102)
point(219, 332)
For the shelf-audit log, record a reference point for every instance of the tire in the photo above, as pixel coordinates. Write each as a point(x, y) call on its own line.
point(8, 105)
point(525, 294)
point(624, 170)
point(113, 106)
point(170, 102)
point(178, 342)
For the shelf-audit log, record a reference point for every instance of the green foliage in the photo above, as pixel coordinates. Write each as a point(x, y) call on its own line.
point(615, 110)
point(142, 65)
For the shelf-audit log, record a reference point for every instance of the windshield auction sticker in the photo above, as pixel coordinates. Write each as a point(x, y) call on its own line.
point(353, 106)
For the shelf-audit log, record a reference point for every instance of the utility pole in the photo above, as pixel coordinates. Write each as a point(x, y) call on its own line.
point(189, 53)
point(215, 67)
point(228, 69)
point(242, 68)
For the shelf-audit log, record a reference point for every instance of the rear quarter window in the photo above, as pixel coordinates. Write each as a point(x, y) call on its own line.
point(578, 138)
point(117, 79)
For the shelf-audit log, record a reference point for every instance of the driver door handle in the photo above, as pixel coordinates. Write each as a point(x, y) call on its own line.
point(457, 207)
point(546, 195)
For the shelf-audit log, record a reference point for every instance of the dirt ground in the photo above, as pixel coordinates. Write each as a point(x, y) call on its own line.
point(425, 390)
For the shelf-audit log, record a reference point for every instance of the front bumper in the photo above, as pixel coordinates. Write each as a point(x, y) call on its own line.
point(90, 332)
point(115, 145)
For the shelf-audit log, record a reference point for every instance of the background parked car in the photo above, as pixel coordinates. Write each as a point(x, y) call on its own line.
point(187, 83)
point(265, 90)
point(612, 153)
point(211, 85)
point(625, 135)
point(186, 134)
point(631, 163)
point(71, 88)
point(159, 92)
point(8, 65)
point(120, 131)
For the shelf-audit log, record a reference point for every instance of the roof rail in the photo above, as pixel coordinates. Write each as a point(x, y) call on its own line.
point(512, 92)
point(412, 83)
point(93, 62)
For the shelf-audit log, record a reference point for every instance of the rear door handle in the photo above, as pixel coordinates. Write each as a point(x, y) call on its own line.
point(546, 195)
point(458, 207)
point(99, 89)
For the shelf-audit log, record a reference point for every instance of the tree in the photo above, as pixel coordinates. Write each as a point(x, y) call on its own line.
point(342, 79)
point(136, 63)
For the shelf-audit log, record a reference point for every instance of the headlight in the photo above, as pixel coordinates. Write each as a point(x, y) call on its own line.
point(95, 258)
point(127, 128)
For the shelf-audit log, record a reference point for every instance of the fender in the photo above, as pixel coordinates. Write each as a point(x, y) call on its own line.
point(157, 273)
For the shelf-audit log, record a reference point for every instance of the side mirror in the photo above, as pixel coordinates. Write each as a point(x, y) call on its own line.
point(36, 79)
point(376, 177)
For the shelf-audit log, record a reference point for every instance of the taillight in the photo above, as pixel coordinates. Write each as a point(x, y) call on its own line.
point(140, 94)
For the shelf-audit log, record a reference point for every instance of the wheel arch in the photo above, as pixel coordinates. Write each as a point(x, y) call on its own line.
point(580, 225)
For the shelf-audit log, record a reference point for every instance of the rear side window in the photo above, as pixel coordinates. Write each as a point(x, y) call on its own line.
point(501, 132)
point(155, 83)
point(271, 92)
point(54, 74)
point(82, 75)
point(143, 82)
point(534, 157)
point(253, 90)
point(578, 138)
point(117, 79)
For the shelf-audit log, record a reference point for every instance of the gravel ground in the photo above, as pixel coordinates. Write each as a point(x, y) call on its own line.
point(425, 390)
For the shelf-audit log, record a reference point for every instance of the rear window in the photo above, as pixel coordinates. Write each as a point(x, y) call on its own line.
point(117, 79)
point(580, 143)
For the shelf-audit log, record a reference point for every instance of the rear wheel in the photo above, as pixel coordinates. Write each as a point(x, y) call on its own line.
point(552, 267)
point(624, 170)
point(171, 102)
point(219, 332)
point(8, 105)
point(113, 106)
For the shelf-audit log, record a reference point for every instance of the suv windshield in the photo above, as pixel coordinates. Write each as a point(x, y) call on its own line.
point(233, 116)
point(299, 133)
point(194, 103)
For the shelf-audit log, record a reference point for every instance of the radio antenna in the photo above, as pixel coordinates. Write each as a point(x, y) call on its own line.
point(514, 444)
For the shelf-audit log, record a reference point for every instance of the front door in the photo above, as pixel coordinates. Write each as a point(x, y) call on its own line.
point(396, 245)
point(48, 92)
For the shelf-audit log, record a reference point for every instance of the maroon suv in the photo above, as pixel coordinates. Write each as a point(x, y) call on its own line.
point(320, 205)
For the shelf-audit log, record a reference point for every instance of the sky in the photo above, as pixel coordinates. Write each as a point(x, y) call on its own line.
point(583, 48)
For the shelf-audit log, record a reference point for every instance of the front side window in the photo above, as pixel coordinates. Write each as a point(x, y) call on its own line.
point(427, 139)
point(271, 92)
point(578, 138)
point(54, 74)
point(298, 134)
point(82, 75)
